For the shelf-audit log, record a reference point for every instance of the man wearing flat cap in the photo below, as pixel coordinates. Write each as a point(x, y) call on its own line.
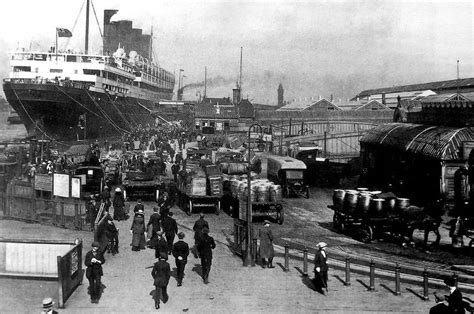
point(161, 274)
point(451, 303)
point(321, 268)
point(94, 260)
point(170, 229)
point(48, 306)
point(205, 246)
point(199, 225)
point(180, 252)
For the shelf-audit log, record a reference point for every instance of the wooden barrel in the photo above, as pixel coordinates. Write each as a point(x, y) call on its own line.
point(377, 206)
point(338, 199)
point(236, 168)
point(363, 203)
point(262, 193)
point(390, 205)
point(350, 201)
point(401, 204)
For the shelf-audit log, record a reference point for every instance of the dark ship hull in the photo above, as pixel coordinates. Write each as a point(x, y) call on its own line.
point(71, 113)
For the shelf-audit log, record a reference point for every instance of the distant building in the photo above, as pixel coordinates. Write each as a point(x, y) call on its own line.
point(322, 104)
point(388, 95)
point(280, 92)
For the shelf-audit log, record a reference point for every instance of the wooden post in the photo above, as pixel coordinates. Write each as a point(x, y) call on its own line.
point(372, 276)
point(397, 279)
point(425, 284)
point(287, 257)
point(305, 262)
point(348, 271)
point(60, 283)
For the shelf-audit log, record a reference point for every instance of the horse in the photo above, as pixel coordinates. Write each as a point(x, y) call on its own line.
point(426, 218)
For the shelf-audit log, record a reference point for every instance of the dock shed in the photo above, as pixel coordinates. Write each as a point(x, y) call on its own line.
point(414, 160)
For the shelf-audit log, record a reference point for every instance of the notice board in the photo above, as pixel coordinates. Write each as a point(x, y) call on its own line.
point(61, 185)
point(44, 182)
point(76, 187)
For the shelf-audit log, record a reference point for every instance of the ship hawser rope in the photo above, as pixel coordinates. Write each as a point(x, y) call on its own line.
point(130, 115)
point(78, 102)
point(107, 117)
point(119, 112)
point(36, 124)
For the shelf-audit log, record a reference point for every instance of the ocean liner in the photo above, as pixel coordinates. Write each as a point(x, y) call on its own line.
point(65, 95)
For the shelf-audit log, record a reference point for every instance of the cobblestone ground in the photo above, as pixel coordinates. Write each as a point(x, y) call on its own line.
point(232, 288)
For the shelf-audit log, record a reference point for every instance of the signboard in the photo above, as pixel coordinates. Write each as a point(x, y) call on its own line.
point(76, 187)
point(43, 182)
point(61, 185)
point(83, 179)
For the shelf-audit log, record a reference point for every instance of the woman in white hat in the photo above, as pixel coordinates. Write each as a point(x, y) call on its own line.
point(321, 268)
point(119, 205)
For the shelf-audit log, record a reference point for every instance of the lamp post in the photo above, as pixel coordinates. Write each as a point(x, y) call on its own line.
point(179, 83)
point(249, 261)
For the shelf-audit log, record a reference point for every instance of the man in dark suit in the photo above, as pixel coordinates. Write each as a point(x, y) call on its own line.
point(94, 261)
point(161, 273)
point(154, 222)
point(321, 268)
point(161, 247)
point(139, 206)
point(170, 228)
point(205, 246)
point(454, 299)
point(180, 252)
point(199, 225)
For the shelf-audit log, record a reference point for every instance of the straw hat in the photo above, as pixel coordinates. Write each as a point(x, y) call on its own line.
point(321, 245)
point(48, 303)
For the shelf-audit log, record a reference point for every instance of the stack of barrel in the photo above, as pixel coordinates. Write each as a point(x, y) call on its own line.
point(261, 190)
point(362, 202)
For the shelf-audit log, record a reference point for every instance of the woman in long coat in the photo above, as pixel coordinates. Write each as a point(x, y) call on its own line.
point(119, 205)
point(266, 245)
point(138, 231)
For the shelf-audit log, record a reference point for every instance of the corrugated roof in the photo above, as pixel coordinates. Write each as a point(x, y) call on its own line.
point(455, 99)
point(371, 104)
point(467, 82)
point(440, 142)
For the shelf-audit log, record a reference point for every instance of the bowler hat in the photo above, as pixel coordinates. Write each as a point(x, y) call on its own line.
point(48, 303)
point(95, 244)
point(450, 282)
point(181, 235)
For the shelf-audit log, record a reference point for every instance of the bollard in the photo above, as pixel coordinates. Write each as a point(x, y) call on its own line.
point(372, 276)
point(287, 257)
point(305, 262)
point(254, 252)
point(425, 284)
point(348, 271)
point(455, 278)
point(397, 279)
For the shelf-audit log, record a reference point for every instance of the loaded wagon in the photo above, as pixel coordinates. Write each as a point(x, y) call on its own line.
point(201, 189)
point(265, 197)
point(367, 215)
point(141, 185)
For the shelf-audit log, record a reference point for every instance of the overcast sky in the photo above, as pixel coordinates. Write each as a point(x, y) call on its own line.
point(312, 47)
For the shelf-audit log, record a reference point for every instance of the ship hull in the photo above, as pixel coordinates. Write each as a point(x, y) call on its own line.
point(69, 113)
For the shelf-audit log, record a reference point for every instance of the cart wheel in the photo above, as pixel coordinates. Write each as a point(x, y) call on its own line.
point(307, 192)
point(280, 216)
point(190, 208)
point(218, 208)
point(365, 233)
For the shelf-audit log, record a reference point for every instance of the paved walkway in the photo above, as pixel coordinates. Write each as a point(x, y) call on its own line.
point(232, 288)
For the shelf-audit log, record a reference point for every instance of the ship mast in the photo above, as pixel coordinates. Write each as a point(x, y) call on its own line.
point(87, 27)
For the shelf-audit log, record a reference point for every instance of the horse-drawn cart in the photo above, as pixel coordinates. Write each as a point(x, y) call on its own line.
point(191, 203)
